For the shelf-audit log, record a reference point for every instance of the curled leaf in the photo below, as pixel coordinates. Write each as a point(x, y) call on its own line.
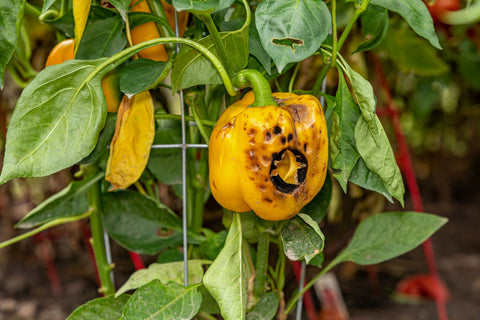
point(131, 143)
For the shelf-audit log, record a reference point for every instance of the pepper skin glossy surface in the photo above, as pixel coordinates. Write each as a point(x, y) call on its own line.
point(270, 159)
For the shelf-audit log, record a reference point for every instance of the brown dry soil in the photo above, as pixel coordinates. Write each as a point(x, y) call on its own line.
point(448, 187)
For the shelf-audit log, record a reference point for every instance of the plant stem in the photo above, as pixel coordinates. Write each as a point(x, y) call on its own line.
point(260, 85)
point(188, 118)
point(217, 40)
point(294, 77)
point(32, 10)
point(358, 11)
point(261, 264)
point(297, 295)
point(317, 86)
point(43, 227)
point(98, 240)
point(334, 33)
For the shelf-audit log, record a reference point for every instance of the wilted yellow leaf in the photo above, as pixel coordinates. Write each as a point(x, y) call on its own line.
point(81, 9)
point(132, 141)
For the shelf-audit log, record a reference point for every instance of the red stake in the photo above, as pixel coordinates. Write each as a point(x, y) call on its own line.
point(136, 260)
point(406, 166)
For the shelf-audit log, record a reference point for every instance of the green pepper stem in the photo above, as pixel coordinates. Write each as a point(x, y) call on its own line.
point(98, 240)
point(261, 264)
point(260, 85)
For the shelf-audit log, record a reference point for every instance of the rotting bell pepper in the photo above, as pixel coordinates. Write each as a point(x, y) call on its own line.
point(268, 153)
point(64, 50)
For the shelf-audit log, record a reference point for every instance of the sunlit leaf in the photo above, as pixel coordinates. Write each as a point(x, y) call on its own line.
point(56, 121)
point(81, 9)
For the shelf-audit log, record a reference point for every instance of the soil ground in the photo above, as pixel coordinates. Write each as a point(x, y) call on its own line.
point(450, 190)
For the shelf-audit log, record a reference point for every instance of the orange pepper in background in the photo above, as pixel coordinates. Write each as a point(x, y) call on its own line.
point(64, 51)
point(149, 31)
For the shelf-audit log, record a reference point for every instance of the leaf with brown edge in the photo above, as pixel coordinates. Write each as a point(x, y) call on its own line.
point(132, 141)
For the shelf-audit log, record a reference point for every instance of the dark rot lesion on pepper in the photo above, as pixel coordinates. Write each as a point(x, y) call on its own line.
point(286, 172)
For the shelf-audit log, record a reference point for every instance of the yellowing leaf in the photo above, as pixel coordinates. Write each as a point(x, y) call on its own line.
point(81, 9)
point(132, 141)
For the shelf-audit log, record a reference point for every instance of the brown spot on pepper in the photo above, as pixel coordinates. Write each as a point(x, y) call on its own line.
point(284, 140)
point(277, 130)
point(290, 137)
point(268, 136)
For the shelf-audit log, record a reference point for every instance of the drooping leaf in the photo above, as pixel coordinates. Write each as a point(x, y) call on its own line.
point(69, 202)
point(56, 121)
point(107, 308)
point(81, 9)
point(140, 223)
point(317, 208)
point(131, 143)
point(363, 177)
point(229, 289)
point(156, 301)
point(296, 32)
point(364, 96)
point(266, 307)
point(102, 38)
point(344, 151)
point(165, 272)
point(374, 27)
point(196, 6)
point(141, 75)
point(302, 238)
point(191, 68)
point(379, 158)
point(387, 235)
point(416, 14)
point(400, 42)
point(11, 15)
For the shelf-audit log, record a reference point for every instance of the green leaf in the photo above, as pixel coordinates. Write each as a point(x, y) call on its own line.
point(165, 272)
point(140, 223)
point(56, 121)
point(469, 64)
point(69, 202)
point(229, 289)
point(214, 242)
point(363, 177)
point(374, 27)
point(296, 32)
point(107, 308)
point(344, 151)
point(363, 95)
point(265, 309)
point(302, 238)
point(387, 235)
point(102, 38)
point(122, 6)
point(191, 68)
point(416, 14)
point(401, 42)
point(104, 139)
point(141, 75)
point(11, 15)
point(317, 208)
point(196, 6)
point(166, 164)
point(256, 48)
point(379, 158)
point(156, 301)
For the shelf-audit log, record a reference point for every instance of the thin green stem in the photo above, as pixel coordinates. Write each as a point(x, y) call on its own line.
point(188, 118)
point(261, 265)
point(16, 77)
point(294, 77)
point(120, 57)
point(334, 33)
point(43, 227)
point(260, 85)
point(98, 240)
point(317, 86)
point(294, 299)
point(358, 11)
point(30, 9)
point(217, 40)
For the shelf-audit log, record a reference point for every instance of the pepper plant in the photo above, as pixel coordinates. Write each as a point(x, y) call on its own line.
point(134, 73)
